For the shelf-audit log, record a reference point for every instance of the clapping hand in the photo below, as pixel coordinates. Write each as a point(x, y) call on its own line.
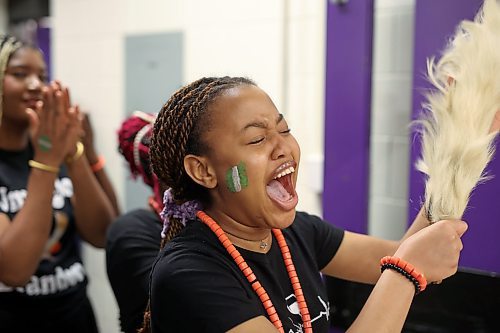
point(55, 126)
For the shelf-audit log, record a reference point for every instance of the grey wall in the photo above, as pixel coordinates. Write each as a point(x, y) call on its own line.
point(153, 71)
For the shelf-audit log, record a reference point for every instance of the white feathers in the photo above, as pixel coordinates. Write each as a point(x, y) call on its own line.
point(456, 143)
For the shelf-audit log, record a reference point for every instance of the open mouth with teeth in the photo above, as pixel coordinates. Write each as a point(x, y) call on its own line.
point(281, 189)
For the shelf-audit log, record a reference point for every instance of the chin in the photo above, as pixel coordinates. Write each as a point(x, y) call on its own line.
point(284, 219)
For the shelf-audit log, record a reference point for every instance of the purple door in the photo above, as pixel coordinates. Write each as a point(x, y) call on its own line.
point(347, 114)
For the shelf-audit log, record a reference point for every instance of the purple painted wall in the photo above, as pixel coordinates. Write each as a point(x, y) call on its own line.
point(435, 21)
point(347, 114)
point(43, 42)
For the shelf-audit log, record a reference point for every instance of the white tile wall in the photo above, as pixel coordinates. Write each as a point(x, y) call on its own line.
point(391, 102)
point(242, 48)
point(232, 37)
point(391, 108)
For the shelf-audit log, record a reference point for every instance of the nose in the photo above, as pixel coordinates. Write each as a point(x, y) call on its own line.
point(34, 82)
point(281, 147)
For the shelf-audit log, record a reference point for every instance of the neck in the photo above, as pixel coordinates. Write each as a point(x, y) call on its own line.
point(262, 245)
point(256, 239)
point(13, 137)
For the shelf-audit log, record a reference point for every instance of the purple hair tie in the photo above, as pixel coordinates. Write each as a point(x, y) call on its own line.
point(185, 212)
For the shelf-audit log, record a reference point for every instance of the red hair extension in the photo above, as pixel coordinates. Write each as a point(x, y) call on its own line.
point(135, 149)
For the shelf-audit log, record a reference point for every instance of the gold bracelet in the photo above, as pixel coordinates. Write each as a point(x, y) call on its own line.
point(79, 152)
point(44, 167)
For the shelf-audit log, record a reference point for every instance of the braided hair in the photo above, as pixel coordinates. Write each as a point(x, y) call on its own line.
point(177, 132)
point(134, 140)
point(8, 45)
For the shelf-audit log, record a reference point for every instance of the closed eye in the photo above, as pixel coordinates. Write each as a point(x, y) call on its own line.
point(19, 75)
point(287, 131)
point(257, 141)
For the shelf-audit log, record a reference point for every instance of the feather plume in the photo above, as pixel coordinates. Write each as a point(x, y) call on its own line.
point(455, 125)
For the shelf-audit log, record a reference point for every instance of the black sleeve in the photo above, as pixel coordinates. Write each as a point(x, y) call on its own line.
point(133, 243)
point(205, 295)
point(326, 238)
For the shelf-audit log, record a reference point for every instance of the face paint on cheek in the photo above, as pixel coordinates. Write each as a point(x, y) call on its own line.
point(236, 178)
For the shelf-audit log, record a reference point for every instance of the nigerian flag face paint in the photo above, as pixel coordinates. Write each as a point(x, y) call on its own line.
point(236, 178)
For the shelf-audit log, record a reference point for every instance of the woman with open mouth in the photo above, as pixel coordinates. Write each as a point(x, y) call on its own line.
point(238, 256)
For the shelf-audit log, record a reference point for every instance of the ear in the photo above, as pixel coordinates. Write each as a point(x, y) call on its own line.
point(200, 170)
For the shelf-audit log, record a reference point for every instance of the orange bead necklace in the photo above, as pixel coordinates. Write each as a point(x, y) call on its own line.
point(252, 279)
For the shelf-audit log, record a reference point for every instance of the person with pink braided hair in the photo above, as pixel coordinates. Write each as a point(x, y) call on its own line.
point(134, 238)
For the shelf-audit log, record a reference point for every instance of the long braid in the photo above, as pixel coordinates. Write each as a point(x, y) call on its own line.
point(176, 133)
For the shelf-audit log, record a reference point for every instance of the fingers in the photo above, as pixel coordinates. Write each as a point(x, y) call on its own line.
point(53, 120)
point(34, 121)
point(85, 121)
point(460, 227)
point(60, 105)
point(48, 114)
point(67, 99)
point(76, 117)
point(435, 250)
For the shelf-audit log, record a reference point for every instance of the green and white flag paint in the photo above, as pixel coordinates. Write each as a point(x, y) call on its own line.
point(236, 178)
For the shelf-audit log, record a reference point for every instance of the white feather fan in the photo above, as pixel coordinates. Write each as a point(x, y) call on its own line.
point(455, 127)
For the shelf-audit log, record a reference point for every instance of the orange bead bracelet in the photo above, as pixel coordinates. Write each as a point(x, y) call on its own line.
point(406, 269)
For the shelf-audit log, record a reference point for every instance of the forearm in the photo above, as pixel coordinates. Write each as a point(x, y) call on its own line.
point(108, 189)
point(388, 305)
point(358, 258)
point(102, 177)
point(22, 241)
point(93, 210)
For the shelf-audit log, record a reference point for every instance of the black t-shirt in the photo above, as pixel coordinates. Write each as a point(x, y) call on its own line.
point(133, 242)
point(57, 290)
point(197, 287)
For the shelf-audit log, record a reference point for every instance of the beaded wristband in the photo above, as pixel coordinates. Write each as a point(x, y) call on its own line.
point(79, 152)
point(44, 167)
point(407, 270)
point(99, 165)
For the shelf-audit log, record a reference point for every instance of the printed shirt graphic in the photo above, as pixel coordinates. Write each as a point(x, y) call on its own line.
point(293, 308)
point(60, 271)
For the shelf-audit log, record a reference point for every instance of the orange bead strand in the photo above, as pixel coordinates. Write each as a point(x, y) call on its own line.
point(408, 268)
point(252, 279)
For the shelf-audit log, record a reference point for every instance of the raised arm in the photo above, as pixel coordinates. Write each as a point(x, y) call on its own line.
point(433, 251)
point(93, 210)
point(22, 240)
point(96, 162)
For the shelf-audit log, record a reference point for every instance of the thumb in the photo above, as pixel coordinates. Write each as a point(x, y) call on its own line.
point(460, 227)
point(34, 122)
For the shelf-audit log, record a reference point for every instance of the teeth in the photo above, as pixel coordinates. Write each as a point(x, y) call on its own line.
point(285, 172)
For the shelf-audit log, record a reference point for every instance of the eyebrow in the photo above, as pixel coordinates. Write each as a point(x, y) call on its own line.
point(260, 124)
point(27, 67)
